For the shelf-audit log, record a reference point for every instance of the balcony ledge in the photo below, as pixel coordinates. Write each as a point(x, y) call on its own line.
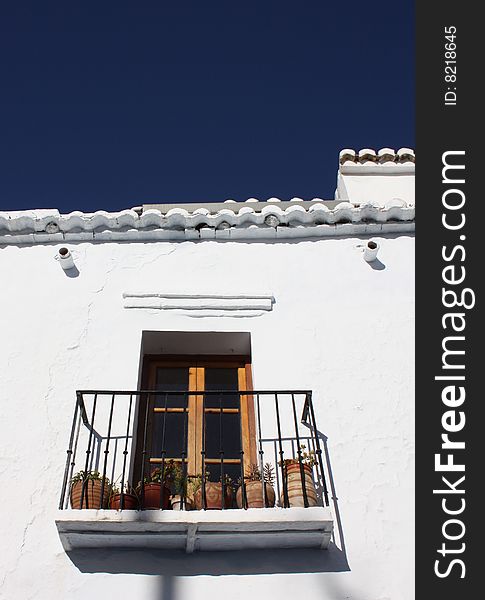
point(196, 530)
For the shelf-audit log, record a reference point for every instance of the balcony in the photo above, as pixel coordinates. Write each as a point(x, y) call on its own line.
point(194, 470)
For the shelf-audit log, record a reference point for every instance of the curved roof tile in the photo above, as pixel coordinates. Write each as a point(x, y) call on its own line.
point(294, 221)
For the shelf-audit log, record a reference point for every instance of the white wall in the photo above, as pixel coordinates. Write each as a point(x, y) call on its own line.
point(340, 326)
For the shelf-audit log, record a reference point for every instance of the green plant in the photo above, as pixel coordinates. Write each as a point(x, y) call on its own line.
point(268, 473)
point(254, 474)
point(180, 480)
point(88, 476)
point(127, 489)
point(307, 458)
point(165, 474)
point(226, 480)
point(194, 482)
point(89, 490)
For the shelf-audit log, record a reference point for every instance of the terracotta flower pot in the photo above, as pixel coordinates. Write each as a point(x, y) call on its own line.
point(176, 502)
point(130, 502)
point(254, 495)
point(295, 488)
point(152, 496)
point(91, 496)
point(213, 496)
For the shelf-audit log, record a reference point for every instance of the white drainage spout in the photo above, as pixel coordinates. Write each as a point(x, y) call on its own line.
point(65, 259)
point(371, 250)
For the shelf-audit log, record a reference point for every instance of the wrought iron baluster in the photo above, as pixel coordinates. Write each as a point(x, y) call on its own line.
point(300, 461)
point(261, 451)
point(221, 453)
point(106, 451)
point(73, 457)
point(88, 452)
point(69, 452)
point(163, 475)
point(241, 454)
point(286, 501)
point(319, 451)
point(183, 491)
point(112, 476)
point(278, 476)
point(204, 501)
point(144, 449)
point(125, 455)
point(311, 441)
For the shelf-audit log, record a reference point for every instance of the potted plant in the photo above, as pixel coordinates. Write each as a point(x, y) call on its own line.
point(193, 484)
point(155, 490)
point(214, 492)
point(181, 499)
point(292, 472)
point(253, 484)
point(177, 503)
point(126, 501)
point(86, 490)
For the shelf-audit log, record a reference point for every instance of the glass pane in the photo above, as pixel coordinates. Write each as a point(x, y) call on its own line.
point(221, 379)
point(169, 433)
point(171, 379)
point(222, 434)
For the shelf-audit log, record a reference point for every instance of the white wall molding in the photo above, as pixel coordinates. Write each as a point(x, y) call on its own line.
point(249, 305)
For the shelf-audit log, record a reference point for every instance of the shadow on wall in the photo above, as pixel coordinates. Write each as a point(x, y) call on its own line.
point(334, 498)
point(72, 272)
point(377, 265)
point(167, 589)
point(175, 563)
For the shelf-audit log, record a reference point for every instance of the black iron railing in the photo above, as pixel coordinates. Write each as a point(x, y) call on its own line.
point(191, 441)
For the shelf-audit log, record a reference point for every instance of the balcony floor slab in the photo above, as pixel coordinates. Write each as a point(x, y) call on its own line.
point(196, 530)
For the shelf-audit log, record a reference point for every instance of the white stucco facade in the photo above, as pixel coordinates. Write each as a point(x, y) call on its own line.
point(336, 325)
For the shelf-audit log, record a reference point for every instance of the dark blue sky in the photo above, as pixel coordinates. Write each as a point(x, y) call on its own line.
point(112, 105)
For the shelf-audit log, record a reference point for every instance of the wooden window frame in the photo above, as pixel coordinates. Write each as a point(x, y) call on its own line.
point(197, 365)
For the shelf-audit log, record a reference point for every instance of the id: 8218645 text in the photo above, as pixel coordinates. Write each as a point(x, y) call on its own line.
point(450, 75)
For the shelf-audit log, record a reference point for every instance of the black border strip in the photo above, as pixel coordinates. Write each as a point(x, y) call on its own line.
point(449, 123)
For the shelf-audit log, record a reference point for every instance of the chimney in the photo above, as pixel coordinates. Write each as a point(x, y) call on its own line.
point(383, 178)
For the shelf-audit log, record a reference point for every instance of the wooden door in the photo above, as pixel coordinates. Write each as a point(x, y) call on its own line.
point(181, 424)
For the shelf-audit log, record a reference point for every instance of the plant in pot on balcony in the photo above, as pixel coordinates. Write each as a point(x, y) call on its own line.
point(127, 501)
point(254, 482)
point(87, 488)
point(154, 492)
point(292, 473)
point(182, 499)
point(192, 484)
point(214, 492)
